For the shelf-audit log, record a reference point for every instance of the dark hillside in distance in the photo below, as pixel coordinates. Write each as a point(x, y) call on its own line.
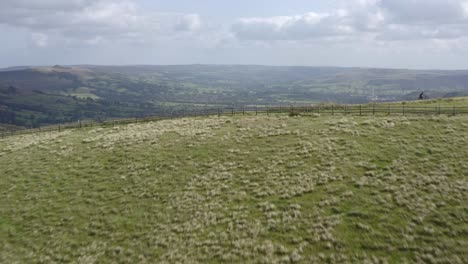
point(15, 68)
point(32, 96)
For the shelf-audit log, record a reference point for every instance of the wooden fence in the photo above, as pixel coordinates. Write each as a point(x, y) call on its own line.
point(360, 110)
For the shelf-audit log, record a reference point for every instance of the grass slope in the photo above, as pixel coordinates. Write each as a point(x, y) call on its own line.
point(461, 101)
point(244, 189)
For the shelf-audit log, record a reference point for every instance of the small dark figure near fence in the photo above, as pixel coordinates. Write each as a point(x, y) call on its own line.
point(421, 96)
point(294, 113)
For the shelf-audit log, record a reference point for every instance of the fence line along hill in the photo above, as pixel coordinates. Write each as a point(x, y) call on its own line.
point(452, 107)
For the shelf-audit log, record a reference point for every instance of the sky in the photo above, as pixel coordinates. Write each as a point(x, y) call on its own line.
point(410, 34)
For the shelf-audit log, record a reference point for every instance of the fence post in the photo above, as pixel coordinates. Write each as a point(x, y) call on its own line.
point(373, 109)
point(232, 111)
point(243, 110)
point(333, 110)
point(59, 128)
point(256, 110)
point(79, 121)
point(403, 109)
point(219, 112)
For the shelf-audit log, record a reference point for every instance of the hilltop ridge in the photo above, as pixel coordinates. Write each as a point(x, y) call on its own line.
point(310, 188)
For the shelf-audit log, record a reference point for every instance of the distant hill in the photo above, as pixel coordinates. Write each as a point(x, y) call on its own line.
point(16, 68)
point(66, 93)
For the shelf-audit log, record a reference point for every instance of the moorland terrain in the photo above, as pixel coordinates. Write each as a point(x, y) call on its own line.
point(307, 188)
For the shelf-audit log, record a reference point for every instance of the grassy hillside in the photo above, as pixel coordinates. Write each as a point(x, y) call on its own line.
point(243, 189)
point(442, 102)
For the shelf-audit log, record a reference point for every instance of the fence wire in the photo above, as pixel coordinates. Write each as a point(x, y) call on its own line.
point(360, 110)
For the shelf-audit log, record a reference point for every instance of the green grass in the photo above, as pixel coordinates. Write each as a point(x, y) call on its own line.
point(243, 189)
point(83, 93)
point(442, 102)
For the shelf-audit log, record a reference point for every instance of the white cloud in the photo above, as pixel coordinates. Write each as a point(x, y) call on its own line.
point(465, 9)
point(309, 25)
point(117, 14)
point(398, 32)
point(40, 39)
point(385, 20)
point(423, 11)
point(190, 22)
point(93, 21)
point(95, 41)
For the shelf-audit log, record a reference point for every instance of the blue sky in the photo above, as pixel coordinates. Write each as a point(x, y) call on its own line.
point(424, 34)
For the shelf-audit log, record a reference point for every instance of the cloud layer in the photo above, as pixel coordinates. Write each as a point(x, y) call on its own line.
point(383, 33)
point(92, 20)
point(381, 19)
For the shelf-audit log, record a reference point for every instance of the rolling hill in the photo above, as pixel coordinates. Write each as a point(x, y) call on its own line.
point(241, 189)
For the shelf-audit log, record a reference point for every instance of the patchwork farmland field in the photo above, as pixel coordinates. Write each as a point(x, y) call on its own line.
point(243, 189)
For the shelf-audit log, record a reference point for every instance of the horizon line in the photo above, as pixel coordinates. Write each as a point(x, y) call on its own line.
point(228, 64)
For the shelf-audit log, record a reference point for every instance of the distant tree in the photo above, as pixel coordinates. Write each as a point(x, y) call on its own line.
point(7, 117)
point(12, 90)
point(33, 121)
